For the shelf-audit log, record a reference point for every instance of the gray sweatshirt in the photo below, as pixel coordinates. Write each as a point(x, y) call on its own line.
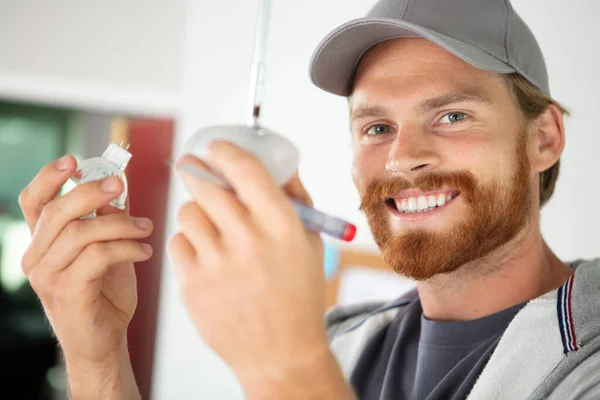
point(550, 350)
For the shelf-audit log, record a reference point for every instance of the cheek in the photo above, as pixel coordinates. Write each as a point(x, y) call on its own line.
point(366, 167)
point(357, 174)
point(482, 159)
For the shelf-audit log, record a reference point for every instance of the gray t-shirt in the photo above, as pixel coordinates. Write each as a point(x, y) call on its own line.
point(415, 358)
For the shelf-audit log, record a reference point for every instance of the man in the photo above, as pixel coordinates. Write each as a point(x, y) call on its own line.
point(456, 148)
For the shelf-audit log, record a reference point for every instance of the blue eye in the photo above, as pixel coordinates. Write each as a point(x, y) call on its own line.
point(453, 117)
point(379, 130)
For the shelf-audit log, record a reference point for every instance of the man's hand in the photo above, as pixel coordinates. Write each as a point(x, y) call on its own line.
point(82, 271)
point(251, 278)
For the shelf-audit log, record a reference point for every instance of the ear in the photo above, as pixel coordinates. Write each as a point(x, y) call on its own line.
point(548, 139)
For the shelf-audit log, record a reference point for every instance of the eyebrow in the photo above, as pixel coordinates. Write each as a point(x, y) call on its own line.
point(463, 95)
point(369, 112)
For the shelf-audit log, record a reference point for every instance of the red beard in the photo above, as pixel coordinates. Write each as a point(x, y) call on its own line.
point(496, 214)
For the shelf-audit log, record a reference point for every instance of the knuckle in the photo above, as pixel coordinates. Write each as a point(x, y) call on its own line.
point(74, 230)
point(27, 262)
point(51, 210)
point(175, 245)
point(174, 242)
point(23, 198)
point(97, 250)
point(186, 211)
point(40, 282)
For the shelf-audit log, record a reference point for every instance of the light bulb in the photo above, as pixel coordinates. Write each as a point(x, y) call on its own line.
point(113, 162)
point(276, 153)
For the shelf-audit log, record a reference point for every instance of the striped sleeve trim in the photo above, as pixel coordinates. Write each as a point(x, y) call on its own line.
point(565, 316)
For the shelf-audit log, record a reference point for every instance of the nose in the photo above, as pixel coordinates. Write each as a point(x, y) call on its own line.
point(412, 152)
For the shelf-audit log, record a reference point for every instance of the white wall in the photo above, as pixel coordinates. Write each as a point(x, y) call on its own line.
point(218, 52)
point(112, 55)
point(568, 36)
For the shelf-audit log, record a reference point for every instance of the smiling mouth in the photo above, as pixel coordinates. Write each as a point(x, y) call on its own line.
point(422, 204)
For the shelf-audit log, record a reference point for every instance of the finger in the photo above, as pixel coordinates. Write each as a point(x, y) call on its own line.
point(296, 190)
point(199, 231)
point(91, 265)
point(253, 184)
point(59, 212)
point(95, 259)
point(183, 256)
point(108, 209)
point(44, 187)
point(79, 234)
point(220, 205)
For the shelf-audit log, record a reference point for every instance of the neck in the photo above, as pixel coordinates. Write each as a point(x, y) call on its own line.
point(519, 271)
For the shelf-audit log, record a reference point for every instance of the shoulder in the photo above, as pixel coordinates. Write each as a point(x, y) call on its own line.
point(344, 318)
point(582, 383)
point(588, 269)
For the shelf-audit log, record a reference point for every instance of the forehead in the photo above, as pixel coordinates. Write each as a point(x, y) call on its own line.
point(415, 67)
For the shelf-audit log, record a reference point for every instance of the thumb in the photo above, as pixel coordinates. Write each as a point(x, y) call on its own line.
point(296, 190)
point(108, 209)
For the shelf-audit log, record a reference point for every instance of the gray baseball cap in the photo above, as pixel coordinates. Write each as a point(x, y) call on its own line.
point(487, 34)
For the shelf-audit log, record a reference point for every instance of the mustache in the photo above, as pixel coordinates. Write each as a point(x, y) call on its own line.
point(381, 190)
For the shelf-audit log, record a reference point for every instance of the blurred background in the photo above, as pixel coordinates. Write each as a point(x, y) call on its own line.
point(78, 75)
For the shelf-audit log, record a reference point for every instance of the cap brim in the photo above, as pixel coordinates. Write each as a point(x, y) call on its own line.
point(334, 61)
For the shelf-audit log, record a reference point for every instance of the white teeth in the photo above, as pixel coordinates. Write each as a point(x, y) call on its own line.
point(422, 203)
point(402, 205)
point(412, 204)
point(431, 201)
point(441, 200)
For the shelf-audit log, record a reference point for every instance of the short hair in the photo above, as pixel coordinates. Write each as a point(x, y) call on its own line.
point(532, 103)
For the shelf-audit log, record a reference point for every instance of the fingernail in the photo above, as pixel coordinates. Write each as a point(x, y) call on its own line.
point(142, 223)
point(146, 248)
point(62, 164)
point(110, 184)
